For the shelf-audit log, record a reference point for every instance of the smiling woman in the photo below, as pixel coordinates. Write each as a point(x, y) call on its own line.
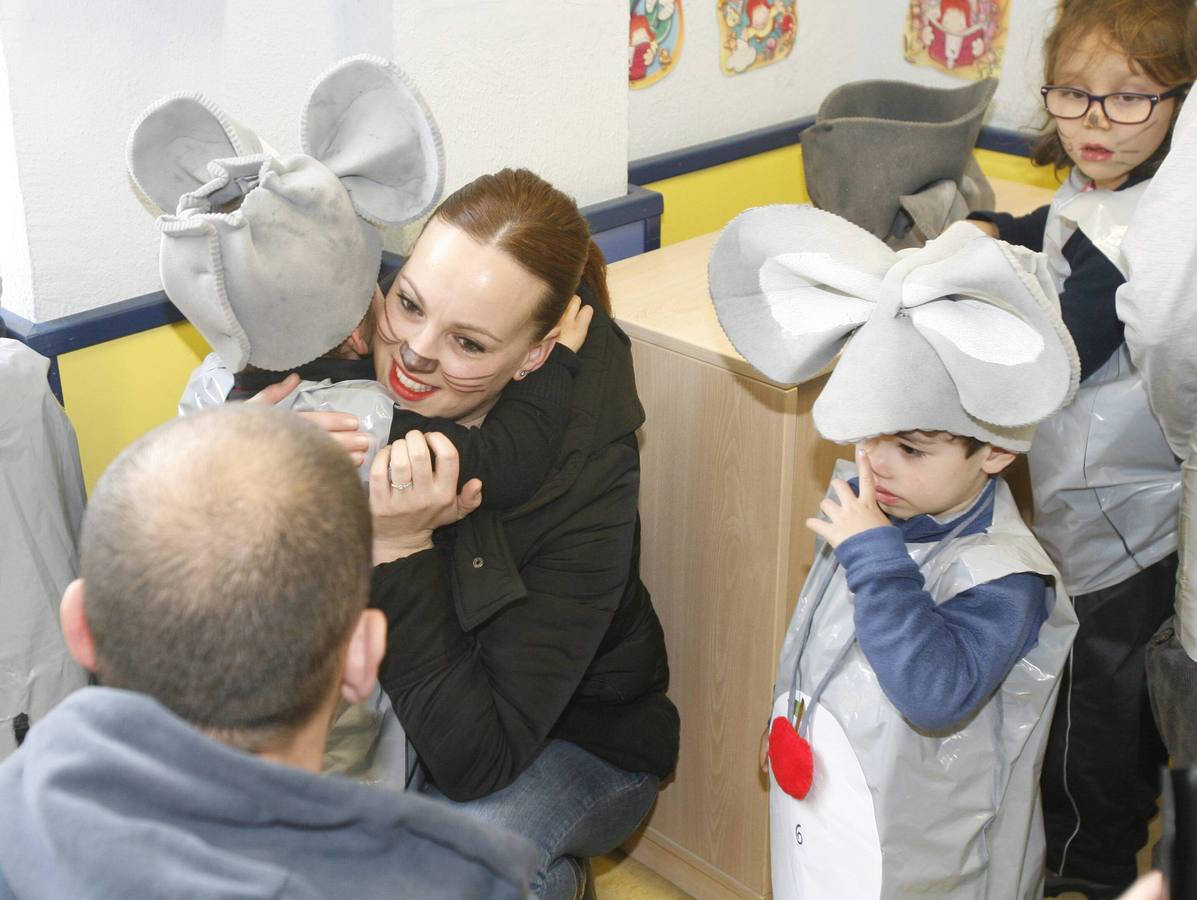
point(456, 325)
point(525, 660)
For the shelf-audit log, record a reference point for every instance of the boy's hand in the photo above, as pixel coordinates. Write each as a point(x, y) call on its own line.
point(341, 427)
point(272, 394)
point(575, 322)
point(853, 514)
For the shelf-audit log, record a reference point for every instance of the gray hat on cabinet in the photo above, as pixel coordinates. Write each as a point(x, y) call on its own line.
point(963, 335)
point(274, 258)
point(875, 146)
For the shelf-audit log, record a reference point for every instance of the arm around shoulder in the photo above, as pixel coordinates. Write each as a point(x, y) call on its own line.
point(514, 447)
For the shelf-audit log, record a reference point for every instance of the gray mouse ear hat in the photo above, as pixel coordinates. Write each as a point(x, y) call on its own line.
point(875, 146)
point(274, 258)
point(962, 335)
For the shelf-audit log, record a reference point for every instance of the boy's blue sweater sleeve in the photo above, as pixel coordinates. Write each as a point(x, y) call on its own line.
point(936, 664)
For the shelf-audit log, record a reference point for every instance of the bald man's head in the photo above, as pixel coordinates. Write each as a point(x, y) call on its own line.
point(225, 559)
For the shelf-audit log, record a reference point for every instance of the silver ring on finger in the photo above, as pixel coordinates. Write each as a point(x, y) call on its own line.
point(403, 485)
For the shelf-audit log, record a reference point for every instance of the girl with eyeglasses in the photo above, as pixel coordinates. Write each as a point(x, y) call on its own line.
point(1106, 485)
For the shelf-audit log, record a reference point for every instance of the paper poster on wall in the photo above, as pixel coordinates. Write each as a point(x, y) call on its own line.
point(965, 38)
point(754, 33)
point(655, 36)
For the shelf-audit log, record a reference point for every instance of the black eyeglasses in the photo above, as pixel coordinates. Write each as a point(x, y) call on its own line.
point(1123, 108)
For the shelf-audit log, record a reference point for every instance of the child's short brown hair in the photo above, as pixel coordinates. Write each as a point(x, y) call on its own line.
point(971, 444)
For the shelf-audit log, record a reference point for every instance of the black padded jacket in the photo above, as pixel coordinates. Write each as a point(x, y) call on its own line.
point(531, 623)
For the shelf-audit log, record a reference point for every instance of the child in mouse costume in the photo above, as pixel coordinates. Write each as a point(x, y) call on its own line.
point(274, 259)
point(919, 672)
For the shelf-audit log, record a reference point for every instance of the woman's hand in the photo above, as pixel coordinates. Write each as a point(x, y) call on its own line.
point(574, 324)
point(413, 491)
point(853, 514)
point(341, 427)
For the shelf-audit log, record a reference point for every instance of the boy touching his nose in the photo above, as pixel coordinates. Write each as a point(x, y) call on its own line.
point(935, 663)
point(918, 674)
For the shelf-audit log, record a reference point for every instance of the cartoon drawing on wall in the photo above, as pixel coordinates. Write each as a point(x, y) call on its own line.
point(654, 40)
point(754, 33)
point(965, 38)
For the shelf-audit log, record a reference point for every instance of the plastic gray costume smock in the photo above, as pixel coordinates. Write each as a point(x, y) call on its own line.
point(1105, 482)
point(366, 741)
point(894, 812)
point(962, 336)
point(274, 259)
point(41, 508)
point(374, 407)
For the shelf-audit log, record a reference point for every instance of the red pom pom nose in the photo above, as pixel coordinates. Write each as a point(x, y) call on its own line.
point(791, 759)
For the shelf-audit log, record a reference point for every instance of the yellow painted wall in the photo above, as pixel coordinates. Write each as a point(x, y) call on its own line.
point(706, 200)
point(117, 391)
point(1016, 168)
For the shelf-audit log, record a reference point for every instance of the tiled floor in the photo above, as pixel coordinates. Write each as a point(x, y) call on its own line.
point(616, 877)
point(620, 878)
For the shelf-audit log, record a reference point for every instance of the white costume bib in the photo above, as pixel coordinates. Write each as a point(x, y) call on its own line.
point(894, 812)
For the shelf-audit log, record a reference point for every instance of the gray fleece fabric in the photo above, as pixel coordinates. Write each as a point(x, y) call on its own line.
point(112, 795)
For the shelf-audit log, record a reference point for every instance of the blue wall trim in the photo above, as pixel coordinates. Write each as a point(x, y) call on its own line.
point(640, 208)
point(750, 143)
point(1003, 140)
point(611, 222)
point(717, 152)
point(94, 326)
point(638, 205)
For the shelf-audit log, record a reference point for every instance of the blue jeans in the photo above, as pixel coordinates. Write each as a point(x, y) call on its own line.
point(569, 804)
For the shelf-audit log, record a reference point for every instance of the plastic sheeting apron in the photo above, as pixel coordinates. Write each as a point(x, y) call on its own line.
point(366, 740)
point(211, 382)
point(1105, 482)
point(41, 508)
point(893, 812)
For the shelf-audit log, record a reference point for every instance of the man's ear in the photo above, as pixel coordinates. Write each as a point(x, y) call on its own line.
point(367, 645)
point(539, 352)
point(996, 460)
point(75, 630)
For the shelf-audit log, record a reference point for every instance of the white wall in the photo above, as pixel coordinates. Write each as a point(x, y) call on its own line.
point(508, 84)
point(838, 41)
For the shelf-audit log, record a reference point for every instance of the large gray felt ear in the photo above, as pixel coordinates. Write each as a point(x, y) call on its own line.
point(172, 142)
point(791, 284)
point(991, 313)
point(367, 123)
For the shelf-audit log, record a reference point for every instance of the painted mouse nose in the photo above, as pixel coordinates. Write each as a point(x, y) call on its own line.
point(414, 362)
point(1095, 116)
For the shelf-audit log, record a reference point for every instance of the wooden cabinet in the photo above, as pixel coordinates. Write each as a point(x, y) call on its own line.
point(731, 468)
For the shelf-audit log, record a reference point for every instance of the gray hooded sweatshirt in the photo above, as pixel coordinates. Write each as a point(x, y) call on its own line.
point(112, 795)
